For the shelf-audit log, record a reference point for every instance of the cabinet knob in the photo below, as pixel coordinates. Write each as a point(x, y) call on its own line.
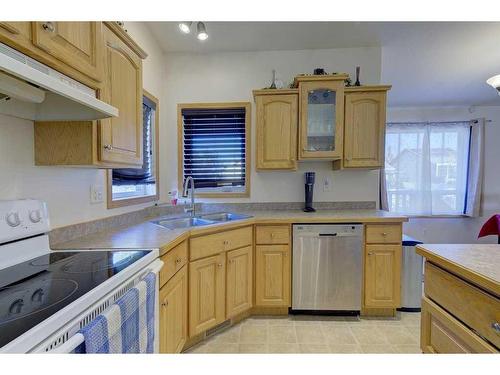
point(225, 242)
point(219, 265)
point(178, 260)
point(370, 253)
point(164, 304)
point(496, 327)
point(272, 235)
point(384, 234)
point(108, 147)
point(48, 26)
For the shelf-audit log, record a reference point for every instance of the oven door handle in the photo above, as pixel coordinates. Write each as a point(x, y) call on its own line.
point(69, 345)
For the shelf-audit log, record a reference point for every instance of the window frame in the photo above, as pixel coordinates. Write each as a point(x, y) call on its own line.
point(180, 146)
point(148, 198)
point(424, 216)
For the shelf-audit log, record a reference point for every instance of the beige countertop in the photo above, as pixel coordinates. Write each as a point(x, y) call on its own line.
point(149, 235)
point(478, 263)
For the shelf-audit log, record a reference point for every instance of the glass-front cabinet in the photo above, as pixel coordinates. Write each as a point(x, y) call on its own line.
point(321, 116)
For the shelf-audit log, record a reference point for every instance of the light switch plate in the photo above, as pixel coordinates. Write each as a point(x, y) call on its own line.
point(327, 184)
point(96, 194)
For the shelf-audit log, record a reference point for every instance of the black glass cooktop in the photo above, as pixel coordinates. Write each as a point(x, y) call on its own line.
point(32, 291)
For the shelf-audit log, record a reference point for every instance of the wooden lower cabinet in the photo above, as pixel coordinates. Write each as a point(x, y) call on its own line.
point(442, 333)
point(207, 284)
point(239, 285)
point(174, 313)
point(272, 275)
point(382, 287)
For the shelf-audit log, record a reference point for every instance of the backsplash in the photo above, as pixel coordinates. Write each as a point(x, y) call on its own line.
point(71, 232)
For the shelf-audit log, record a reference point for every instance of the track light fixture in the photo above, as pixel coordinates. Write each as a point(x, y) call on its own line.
point(185, 27)
point(201, 30)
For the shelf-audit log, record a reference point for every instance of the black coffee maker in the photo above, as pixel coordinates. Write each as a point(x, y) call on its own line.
point(309, 188)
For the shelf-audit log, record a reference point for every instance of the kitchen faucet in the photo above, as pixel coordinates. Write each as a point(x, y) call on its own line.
point(189, 179)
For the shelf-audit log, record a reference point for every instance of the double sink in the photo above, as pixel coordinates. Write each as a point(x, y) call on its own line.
point(200, 220)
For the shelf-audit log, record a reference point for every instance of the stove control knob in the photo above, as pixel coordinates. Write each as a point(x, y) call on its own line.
point(16, 306)
point(37, 295)
point(13, 219)
point(35, 216)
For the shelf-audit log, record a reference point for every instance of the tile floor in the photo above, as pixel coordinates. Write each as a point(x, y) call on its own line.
point(317, 334)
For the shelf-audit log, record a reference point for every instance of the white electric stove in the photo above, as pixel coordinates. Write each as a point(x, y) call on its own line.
point(47, 296)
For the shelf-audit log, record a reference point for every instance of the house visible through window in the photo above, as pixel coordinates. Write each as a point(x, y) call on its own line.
point(214, 147)
point(426, 167)
point(130, 185)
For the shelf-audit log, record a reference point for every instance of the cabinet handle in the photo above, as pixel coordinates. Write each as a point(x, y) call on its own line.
point(370, 253)
point(384, 234)
point(164, 304)
point(272, 235)
point(108, 147)
point(225, 242)
point(48, 26)
point(496, 327)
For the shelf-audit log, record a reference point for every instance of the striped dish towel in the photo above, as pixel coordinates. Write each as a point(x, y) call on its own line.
point(127, 326)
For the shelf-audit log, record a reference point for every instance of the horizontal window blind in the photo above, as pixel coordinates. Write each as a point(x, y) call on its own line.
point(214, 146)
point(145, 174)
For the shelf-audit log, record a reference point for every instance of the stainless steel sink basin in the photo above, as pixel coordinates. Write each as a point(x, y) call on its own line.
point(224, 216)
point(185, 222)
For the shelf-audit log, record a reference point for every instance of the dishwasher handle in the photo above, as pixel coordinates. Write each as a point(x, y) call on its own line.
point(339, 234)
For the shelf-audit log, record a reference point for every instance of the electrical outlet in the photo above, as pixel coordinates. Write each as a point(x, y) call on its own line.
point(327, 184)
point(96, 194)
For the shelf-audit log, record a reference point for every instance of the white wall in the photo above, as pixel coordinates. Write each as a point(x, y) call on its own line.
point(225, 77)
point(66, 190)
point(460, 230)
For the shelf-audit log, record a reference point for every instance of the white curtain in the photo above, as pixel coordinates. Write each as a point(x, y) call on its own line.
point(426, 170)
point(476, 169)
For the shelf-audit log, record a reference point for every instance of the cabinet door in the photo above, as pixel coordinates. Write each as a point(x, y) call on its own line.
point(321, 120)
point(16, 31)
point(442, 333)
point(174, 313)
point(78, 44)
point(364, 137)
point(121, 137)
point(207, 282)
point(277, 131)
point(239, 281)
point(382, 276)
point(272, 275)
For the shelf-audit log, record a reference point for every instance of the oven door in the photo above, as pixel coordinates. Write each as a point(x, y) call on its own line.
point(68, 339)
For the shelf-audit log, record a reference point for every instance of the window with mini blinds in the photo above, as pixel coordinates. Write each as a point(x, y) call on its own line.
point(214, 148)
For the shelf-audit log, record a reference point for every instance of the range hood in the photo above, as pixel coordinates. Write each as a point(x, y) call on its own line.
point(32, 90)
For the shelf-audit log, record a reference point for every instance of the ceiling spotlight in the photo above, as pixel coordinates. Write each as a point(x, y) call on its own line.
point(202, 31)
point(494, 82)
point(185, 27)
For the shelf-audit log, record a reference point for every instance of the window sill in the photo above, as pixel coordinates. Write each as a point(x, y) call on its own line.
point(437, 216)
point(224, 194)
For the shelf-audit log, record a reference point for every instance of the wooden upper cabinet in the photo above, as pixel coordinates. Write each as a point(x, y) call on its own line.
point(364, 129)
point(382, 276)
point(174, 313)
point(78, 44)
point(239, 281)
point(321, 116)
point(121, 137)
point(277, 115)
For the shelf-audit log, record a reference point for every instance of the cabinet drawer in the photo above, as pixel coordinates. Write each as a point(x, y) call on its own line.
point(442, 333)
point(174, 260)
point(384, 233)
point(272, 234)
point(216, 243)
point(475, 308)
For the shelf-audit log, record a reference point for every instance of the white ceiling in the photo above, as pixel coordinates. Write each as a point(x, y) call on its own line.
point(428, 64)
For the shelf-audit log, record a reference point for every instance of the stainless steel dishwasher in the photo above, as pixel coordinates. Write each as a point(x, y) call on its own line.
point(327, 267)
